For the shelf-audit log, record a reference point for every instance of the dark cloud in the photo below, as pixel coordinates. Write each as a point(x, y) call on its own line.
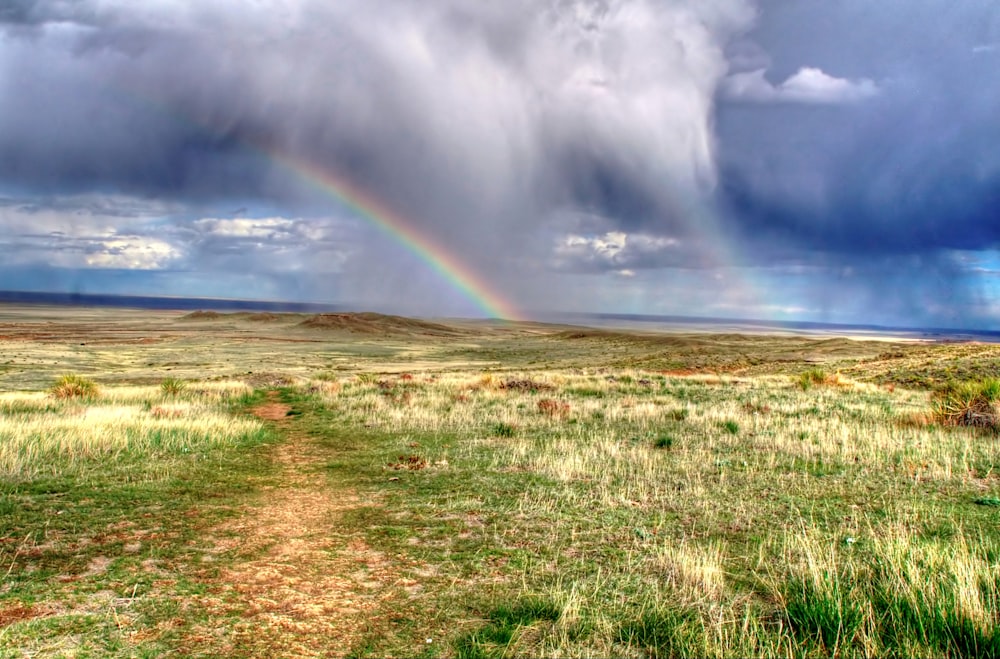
point(911, 171)
point(478, 124)
point(16, 11)
point(578, 137)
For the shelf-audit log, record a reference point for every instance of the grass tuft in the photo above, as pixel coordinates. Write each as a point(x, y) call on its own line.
point(968, 404)
point(504, 430)
point(663, 442)
point(678, 414)
point(172, 386)
point(74, 386)
point(506, 624)
point(553, 408)
point(816, 377)
point(669, 631)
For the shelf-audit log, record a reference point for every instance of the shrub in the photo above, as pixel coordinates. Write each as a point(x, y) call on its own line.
point(172, 386)
point(664, 442)
point(678, 414)
point(504, 430)
point(814, 376)
point(967, 404)
point(731, 427)
point(74, 386)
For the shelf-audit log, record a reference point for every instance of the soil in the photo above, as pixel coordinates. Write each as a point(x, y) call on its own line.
point(308, 589)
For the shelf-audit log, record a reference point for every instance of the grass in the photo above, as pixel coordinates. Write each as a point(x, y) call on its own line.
point(74, 386)
point(172, 386)
point(502, 494)
point(102, 503)
point(786, 533)
point(968, 403)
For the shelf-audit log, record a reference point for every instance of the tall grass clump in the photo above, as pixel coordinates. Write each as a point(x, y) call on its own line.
point(814, 377)
point(74, 386)
point(172, 386)
point(968, 404)
point(504, 632)
point(897, 596)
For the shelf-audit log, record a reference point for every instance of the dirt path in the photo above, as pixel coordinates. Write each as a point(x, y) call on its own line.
point(310, 591)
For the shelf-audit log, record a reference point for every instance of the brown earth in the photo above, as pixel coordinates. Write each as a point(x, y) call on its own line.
point(308, 588)
point(20, 612)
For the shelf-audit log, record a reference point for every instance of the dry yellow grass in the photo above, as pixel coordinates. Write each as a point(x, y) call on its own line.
point(41, 432)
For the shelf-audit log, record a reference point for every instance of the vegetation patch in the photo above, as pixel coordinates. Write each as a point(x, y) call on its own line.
point(409, 462)
point(104, 504)
point(74, 386)
point(504, 430)
point(506, 625)
point(172, 386)
point(817, 377)
point(553, 408)
point(968, 404)
point(669, 631)
point(525, 384)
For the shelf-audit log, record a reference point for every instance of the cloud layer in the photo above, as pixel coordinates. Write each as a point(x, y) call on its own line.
point(549, 144)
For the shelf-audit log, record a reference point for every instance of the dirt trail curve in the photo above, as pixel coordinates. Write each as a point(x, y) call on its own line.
point(308, 591)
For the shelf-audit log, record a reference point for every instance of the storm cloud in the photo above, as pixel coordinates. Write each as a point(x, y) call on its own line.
point(550, 144)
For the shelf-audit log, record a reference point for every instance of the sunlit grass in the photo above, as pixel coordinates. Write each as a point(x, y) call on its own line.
point(773, 520)
point(42, 433)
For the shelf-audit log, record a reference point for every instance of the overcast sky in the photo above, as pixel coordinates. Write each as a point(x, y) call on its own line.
point(783, 159)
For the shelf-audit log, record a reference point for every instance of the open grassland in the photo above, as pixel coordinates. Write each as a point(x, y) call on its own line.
point(628, 514)
point(469, 490)
point(102, 501)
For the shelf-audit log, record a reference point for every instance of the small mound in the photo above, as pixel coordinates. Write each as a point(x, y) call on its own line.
point(202, 315)
point(264, 317)
point(377, 324)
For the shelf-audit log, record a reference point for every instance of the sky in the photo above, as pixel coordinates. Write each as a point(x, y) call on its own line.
point(768, 159)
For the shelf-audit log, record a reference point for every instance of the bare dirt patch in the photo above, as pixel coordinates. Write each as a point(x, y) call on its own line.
point(20, 613)
point(272, 411)
point(307, 589)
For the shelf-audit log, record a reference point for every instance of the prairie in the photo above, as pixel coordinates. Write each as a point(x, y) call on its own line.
point(272, 485)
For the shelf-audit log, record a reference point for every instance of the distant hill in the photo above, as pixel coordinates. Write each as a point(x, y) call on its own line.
point(378, 324)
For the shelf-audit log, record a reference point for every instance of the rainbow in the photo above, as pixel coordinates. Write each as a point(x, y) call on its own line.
point(376, 212)
point(366, 206)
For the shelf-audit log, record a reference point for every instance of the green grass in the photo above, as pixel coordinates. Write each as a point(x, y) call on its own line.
point(664, 442)
point(702, 549)
point(502, 429)
point(172, 386)
point(503, 627)
point(101, 550)
point(724, 511)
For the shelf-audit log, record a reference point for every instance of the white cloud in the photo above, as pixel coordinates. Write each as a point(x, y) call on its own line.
point(808, 85)
point(615, 251)
point(271, 227)
point(131, 253)
point(88, 231)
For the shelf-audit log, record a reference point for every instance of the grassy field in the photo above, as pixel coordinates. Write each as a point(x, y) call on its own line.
point(256, 485)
